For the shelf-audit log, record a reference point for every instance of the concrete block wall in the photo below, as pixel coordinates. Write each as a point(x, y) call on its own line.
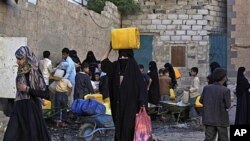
point(52, 25)
point(180, 23)
point(217, 15)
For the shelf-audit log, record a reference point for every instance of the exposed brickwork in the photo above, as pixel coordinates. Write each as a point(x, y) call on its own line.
point(181, 23)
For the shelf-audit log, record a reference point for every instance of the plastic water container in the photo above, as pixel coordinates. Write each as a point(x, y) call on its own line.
point(97, 97)
point(125, 38)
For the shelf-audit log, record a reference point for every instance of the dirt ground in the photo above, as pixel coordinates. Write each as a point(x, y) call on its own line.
point(162, 130)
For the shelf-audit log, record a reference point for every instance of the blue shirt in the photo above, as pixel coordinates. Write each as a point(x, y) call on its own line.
point(70, 71)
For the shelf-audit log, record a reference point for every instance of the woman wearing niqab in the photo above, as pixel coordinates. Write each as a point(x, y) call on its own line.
point(91, 60)
point(26, 120)
point(75, 58)
point(127, 91)
point(212, 66)
point(154, 89)
point(242, 116)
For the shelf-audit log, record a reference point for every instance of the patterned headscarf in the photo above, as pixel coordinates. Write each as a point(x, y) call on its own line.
point(36, 80)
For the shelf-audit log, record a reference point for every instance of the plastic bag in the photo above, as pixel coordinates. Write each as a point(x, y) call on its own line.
point(143, 127)
point(92, 107)
point(185, 97)
point(52, 87)
point(58, 75)
point(87, 107)
point(76, 107)
point(171, 94)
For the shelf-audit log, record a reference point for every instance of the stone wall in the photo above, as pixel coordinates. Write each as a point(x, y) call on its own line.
point(217, 16)
point(181, 23)
point(238, 29)
point(55, 24)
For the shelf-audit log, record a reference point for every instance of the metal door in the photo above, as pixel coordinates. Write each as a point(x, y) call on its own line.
point(218, 49)
point(144, 54)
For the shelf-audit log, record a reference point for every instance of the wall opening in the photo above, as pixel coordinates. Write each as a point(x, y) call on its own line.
point(178, 57)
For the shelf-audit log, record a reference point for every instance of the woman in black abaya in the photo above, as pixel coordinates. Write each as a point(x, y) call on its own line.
point(26, 121)
point(243, 99)
point(171, 72)
point(75, 58)
point(154, 89)
point(91, 60)
point(127, 91)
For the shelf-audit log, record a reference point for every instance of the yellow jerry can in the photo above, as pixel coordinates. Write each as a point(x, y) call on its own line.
point(125, 38)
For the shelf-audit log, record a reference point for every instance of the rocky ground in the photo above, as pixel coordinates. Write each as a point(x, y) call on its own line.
point(184, 130)
point(162, 131)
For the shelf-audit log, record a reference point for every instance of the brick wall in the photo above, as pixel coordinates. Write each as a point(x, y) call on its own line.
point(53, 25)
point(181, 23)
point(217, 15)
point(238, 29)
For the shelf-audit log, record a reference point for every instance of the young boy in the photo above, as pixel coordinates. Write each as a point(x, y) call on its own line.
point(63, 90)
point(165, 85)
point(194, 92)
point(216, 102)
point(83, 82)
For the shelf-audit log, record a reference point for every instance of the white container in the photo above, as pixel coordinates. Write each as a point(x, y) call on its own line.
point(58, 75)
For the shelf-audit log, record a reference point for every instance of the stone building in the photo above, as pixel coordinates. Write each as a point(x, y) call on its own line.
point(186, 33)
point(238, 35)
point(55, 24)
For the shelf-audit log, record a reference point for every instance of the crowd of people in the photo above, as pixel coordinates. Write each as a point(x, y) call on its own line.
point(127, 85)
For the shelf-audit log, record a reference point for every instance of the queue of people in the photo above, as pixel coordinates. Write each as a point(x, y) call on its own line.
point(128, 87)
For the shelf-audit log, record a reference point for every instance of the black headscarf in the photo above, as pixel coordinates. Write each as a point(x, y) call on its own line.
point(91, 60)
point(126, 53)
point(171, 72)
point(154, 89)
point(213, 66)
point(75, 58)
point(90, 57)
point(241, 80)
point(242, 116)
point(123, 62)
point(240, 73)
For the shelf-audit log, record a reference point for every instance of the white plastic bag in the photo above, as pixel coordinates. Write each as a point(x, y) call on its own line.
point(185, 97)
point(58, 75)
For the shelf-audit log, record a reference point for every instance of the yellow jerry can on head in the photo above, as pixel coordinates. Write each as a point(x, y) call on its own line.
point(125, 38)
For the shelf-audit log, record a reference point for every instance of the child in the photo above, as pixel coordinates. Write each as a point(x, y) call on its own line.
point(165, 85)
point(97, 81)
point(63, 89)
point(83, 84)
point(193, 92)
